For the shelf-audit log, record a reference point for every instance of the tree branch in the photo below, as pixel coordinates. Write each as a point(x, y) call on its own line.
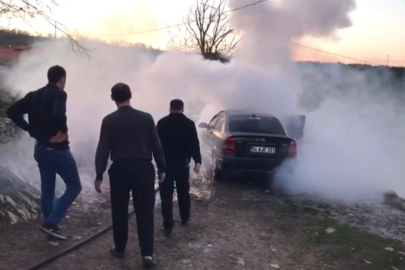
point(207, 28)
point(38, 8)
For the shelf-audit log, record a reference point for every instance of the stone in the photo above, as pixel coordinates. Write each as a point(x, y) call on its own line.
point(13, 218)
point(241, 261)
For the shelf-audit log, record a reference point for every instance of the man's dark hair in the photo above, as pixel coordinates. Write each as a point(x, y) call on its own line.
point(176, 105)
point(55, 74)
point(121, 93)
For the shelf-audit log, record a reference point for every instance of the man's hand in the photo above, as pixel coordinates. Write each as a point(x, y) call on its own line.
point(60, 137)
point(197, 168)
point(161, 177)
point(97, 186)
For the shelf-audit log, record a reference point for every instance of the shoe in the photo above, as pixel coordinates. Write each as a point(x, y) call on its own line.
point(117, 254)
point(167, 232)
point(184, 223)
point(148, 262)
point(54, 231)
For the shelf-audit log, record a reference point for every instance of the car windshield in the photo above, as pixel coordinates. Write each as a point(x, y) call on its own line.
point(255, 125)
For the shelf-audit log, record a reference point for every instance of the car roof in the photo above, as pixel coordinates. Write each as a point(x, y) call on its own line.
point(245, 113)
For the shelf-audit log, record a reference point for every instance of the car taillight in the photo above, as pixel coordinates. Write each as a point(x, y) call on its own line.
point(292, 151)
point(229, 146)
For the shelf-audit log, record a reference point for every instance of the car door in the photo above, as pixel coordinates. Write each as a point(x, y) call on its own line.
point(208, 137)
point(216, 136)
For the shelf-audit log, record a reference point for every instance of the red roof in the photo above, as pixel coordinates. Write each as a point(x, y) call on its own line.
point(11, 53)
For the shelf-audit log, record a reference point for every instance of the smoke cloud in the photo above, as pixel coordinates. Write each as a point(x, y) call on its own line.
point(352, 144)
point(268, 26)
point(352, 141)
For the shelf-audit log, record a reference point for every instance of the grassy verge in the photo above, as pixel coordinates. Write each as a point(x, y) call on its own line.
point(6, 99)
point(350, 248)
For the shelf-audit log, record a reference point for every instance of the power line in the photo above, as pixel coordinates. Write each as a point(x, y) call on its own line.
point(237, 9)
point(145, 31)
point(182, 24)
point(330, 53)
point(246, 6)
point(242, 7)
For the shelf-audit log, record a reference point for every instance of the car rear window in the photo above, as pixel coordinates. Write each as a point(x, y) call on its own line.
point(255, 125)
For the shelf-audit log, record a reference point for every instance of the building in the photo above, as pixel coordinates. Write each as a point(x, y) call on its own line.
point(10, 54)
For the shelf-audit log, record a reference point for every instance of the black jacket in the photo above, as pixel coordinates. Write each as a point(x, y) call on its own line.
point(128, 134)
point(179, 139)
point(46, 109)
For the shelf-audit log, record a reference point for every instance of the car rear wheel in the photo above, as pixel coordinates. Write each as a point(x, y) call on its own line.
point(217, 174)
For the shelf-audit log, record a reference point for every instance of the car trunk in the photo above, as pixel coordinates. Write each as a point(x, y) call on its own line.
point(261, 146)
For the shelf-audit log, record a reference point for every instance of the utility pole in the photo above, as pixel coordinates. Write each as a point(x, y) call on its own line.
point(55, 28)
point(388, 59)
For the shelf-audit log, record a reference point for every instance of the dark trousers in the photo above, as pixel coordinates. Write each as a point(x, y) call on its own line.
point(138, 177)
point(52, 162)
point(181, 178)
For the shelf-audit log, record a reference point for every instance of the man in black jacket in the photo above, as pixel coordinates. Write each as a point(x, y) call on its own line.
point(179, 138)
point(46, 109)
point(129, 136)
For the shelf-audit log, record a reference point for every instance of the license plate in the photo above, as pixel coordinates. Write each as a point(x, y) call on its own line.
point(262, 149)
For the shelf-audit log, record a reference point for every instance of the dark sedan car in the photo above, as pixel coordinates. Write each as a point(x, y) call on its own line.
point(239, 142)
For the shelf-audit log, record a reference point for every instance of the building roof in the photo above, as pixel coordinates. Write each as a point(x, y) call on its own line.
point(11, 53)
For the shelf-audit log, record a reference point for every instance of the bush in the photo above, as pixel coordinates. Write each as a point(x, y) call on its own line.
point(6, 99)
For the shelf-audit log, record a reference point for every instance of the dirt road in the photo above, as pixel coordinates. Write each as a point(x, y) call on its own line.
point(234, 226)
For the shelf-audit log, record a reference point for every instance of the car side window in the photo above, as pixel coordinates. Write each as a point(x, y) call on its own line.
point(218, 126)
point(213, 122)
point(223, 126)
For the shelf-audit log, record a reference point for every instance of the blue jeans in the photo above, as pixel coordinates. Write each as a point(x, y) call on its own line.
point(50, 163)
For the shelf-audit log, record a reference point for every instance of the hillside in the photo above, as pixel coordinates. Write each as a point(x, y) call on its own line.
point(394, 72)
point(15, 37)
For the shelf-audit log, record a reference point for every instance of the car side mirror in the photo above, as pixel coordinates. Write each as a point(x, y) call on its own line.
point(202, 125)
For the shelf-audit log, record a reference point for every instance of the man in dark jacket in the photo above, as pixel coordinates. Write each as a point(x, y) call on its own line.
point(179, 138)
point(46, 109)
point(129, 136)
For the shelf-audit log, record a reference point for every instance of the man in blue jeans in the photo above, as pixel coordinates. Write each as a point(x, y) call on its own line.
point(47, 124)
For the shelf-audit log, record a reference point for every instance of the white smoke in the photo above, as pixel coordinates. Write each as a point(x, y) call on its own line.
point(154, 82)
point(267, 27)
point(352, 143)
point(352, 138)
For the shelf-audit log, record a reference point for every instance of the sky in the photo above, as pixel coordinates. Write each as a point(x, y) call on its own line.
point(376, 32)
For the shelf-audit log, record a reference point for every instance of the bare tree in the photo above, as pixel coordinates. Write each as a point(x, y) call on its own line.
point(32, 9)
point(207, 30)
point(179, 38)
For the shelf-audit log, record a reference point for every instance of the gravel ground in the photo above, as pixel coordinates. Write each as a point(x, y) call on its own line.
point(233, 226)
point(24, 245)
point(385, 218)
